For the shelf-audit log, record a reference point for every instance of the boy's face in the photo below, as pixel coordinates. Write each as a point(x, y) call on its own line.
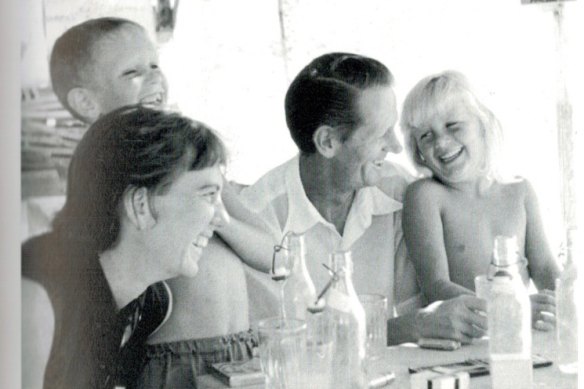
point(125, 70)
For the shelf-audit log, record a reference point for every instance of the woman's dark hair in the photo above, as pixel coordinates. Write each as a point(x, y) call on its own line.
point(325, 92)
point(131, 147)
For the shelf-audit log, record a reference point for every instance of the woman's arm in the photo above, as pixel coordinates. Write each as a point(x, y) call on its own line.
point(423, 234)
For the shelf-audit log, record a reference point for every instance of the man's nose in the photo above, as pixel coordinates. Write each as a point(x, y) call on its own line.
point(391, 143)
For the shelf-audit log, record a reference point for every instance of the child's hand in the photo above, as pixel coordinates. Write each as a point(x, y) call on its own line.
point(543, 310)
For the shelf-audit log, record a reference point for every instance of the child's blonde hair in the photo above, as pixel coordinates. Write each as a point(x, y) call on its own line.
point(432, 94)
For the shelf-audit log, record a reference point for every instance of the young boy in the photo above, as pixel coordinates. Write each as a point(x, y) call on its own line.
point(103, 64)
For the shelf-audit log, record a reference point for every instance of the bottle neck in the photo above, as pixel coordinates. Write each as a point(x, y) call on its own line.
point(342, 264)
point(505, 251)
point(294, 243)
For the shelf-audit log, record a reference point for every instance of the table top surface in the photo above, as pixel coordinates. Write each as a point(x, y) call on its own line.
point(398, 359)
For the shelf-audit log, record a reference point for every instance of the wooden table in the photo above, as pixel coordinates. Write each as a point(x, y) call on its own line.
point(399, 358)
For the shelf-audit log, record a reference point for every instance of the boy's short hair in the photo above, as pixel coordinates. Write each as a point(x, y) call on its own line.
point(429, 96)
point(325, 92)
point(132, 146)
point(73, 51)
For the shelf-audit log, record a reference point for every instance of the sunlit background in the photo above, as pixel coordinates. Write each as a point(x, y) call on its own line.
point(229, 63)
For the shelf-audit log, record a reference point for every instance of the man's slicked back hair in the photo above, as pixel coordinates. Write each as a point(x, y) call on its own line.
point(325, 92)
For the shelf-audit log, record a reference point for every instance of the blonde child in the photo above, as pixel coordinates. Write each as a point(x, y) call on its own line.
point(452, 216)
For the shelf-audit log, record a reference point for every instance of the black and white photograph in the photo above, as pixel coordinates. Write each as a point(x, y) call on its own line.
point(290, 194)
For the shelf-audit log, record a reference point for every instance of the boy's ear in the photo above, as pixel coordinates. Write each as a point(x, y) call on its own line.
point(83, 102)
point(327, 141)
point(137, 208)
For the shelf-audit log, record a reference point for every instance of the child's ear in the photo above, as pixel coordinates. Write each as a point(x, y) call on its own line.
point(83, 102)
point(137, 208)
point(327, 141)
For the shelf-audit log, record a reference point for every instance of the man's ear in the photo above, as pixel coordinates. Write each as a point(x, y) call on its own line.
point(327, 141)
point(84, 103)
point(137, 208)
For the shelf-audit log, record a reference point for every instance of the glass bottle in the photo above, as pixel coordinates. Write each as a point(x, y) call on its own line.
point(298, 290)
point(509, 320)
point(567, 310)
point(349, 326)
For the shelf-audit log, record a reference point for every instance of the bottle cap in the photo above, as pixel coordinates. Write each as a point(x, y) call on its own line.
point(506, 251)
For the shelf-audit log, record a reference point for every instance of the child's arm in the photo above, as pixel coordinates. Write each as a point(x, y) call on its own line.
point(423, 234)
point(247, 233)
point(543, 268)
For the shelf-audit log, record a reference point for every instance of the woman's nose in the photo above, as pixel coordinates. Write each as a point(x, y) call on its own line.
point(221, 216)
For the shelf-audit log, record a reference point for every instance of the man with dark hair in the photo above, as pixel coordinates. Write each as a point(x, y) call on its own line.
point(143, 199)
point(342, 195)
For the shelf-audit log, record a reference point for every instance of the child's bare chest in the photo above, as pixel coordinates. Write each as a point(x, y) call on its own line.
point(471, 225)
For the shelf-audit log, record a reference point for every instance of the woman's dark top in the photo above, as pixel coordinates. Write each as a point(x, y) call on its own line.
point(95, 345)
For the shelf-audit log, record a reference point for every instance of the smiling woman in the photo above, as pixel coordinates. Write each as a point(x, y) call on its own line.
point(130, 220)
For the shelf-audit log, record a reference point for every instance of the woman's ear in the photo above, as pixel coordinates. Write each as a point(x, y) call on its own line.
point(81, 100)
point(327, 141)
point(137, 208)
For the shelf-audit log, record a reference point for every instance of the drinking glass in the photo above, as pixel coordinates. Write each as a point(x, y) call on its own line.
point(319, 350)
point(282, 352)
point(375, 306)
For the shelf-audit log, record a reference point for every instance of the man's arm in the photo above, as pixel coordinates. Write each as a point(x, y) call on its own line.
point(457, 319)
point(424, 236)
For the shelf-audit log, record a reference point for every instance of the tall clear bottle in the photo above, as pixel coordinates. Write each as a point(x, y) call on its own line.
point(298, 290)
point(509, 321)
point(567, 286)
point(349, 326)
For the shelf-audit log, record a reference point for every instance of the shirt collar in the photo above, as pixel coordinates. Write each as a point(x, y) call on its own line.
point(303, 215)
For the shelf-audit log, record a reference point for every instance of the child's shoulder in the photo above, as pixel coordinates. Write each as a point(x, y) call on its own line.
point(518, 186)
point(425, 191)
point(425, 187)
